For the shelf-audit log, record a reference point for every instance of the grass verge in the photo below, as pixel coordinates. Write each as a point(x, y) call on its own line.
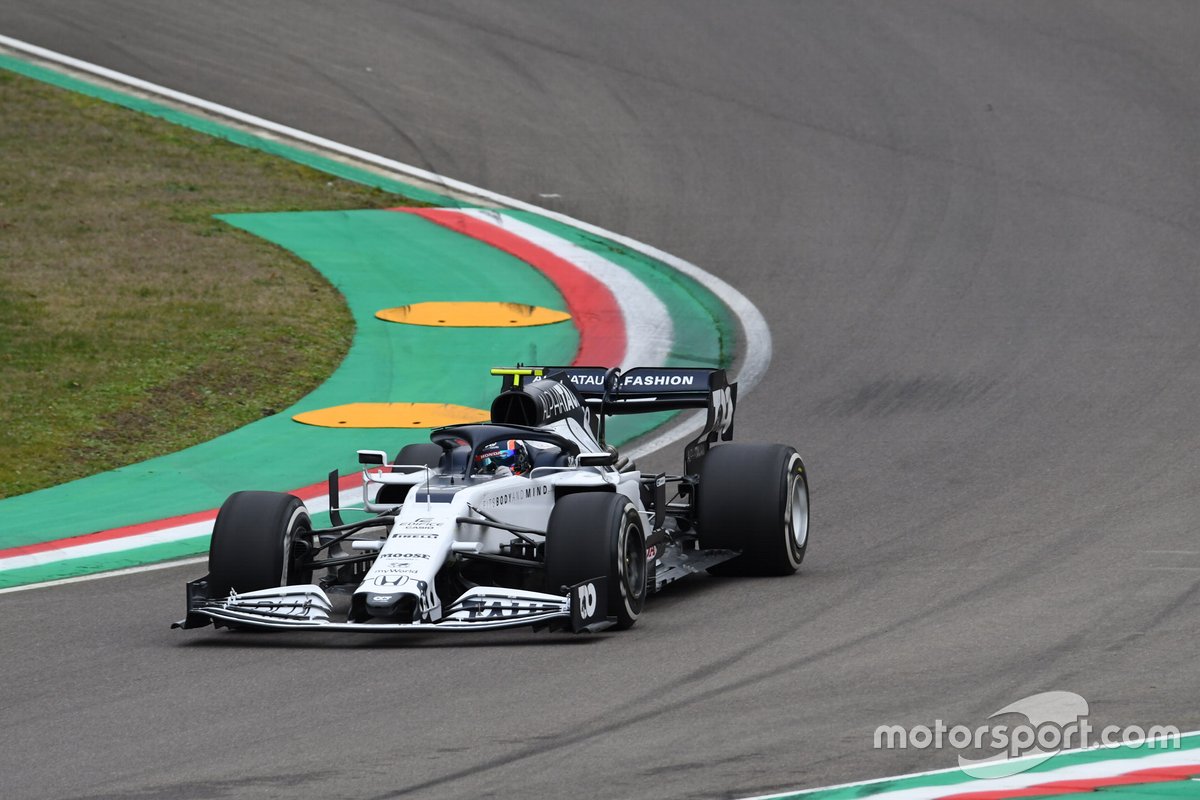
point(132, 323)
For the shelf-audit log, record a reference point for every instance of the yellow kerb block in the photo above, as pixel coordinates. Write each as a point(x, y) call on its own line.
point(392, 415)
point(473, 315)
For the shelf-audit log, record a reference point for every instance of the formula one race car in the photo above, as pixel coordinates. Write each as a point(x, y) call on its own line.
point(525, 520)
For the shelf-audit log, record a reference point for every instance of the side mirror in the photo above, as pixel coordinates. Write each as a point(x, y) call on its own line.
point(602, 459)
point(372, 457)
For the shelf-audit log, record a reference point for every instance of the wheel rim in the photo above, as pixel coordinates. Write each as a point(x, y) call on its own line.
point(299, 549)
point(796, 513)
point(293, 557)
point(633, 561)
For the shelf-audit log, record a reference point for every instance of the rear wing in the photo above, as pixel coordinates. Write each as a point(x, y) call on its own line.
point(643, 390)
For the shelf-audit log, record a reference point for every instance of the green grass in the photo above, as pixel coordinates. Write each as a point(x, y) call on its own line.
point(132, 323)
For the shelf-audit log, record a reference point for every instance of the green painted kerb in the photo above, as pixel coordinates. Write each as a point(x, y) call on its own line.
point(134, 557)
point(955, 781)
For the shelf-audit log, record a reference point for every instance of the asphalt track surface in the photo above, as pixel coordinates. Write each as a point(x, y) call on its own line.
point(973, 230)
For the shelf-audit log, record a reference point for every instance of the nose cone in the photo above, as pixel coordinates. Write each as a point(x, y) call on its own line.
point(384, 606)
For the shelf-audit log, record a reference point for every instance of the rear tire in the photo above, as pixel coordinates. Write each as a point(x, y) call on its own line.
point(259, 541)
point(427, 453)
point(754, 498)
point(594, 534)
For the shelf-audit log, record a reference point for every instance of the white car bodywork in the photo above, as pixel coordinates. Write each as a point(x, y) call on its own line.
point(388, 572)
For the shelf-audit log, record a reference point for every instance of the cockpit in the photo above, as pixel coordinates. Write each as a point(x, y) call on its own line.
point(495, 451)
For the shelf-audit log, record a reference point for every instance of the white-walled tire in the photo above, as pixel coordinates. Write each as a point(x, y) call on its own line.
point(754, 498)
point(595, 534)
point(259, 542)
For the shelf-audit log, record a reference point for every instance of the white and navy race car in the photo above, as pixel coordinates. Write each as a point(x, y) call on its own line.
point(528, 519)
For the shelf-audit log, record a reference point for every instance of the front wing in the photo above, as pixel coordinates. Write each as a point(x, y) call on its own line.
point(307, 607)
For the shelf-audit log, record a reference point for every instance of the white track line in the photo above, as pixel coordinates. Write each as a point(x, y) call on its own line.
point(316, 502)
point(111, 574)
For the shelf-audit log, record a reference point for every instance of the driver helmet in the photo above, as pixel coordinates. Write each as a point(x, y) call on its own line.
point(508, 456)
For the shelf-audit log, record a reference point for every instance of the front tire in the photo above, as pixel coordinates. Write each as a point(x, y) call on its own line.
point(260, 540)
point(754, 498)
point(595, 534)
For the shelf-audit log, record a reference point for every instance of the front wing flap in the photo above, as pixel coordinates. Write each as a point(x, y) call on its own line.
point(307, 607)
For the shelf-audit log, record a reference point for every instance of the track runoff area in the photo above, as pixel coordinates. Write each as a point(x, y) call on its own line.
point(439, 296)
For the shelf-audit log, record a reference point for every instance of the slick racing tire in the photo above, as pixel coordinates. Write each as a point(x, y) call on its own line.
point(754, 498)
point(259, 541)
point(594, 534)
point(426, 453)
